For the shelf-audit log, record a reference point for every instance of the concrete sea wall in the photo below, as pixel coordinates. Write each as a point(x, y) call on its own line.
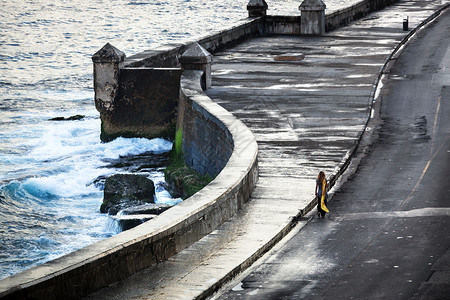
point(95, 266)
point(213, 141)
point(207, 142)
point(138, 95)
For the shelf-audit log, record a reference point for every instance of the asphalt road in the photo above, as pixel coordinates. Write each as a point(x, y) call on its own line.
point(388, 233)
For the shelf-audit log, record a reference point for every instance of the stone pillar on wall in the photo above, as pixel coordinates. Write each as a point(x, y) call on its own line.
point(197, 58)
point(312, 17)
point(256, 8)
point(107, 63)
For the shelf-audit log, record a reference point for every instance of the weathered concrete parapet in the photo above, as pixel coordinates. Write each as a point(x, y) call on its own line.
point(256, 8)
point(197, 58)
point(107, 63)
point(312, 17)
point(134, 101)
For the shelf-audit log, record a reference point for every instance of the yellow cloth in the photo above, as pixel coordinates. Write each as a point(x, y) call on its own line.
point(324, 193)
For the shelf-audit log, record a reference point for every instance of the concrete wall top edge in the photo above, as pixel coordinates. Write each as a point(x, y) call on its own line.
point(245, 147)
point(176, 49)
point(146, 57)
point(243, 138)
point(167, 222)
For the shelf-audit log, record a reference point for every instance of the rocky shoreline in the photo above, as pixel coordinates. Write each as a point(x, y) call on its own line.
point(129, 196)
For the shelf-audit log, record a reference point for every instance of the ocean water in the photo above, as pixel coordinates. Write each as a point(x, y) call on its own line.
point(49, 204)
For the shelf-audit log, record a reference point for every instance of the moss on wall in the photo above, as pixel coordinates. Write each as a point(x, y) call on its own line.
point(183, 181)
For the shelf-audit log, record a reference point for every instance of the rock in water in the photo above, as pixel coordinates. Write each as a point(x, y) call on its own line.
point(146, 209)
point(128, 222)
point(72, 118)
point(126, 190)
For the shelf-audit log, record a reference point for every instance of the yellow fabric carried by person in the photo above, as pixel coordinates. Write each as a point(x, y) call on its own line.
point(324, 193)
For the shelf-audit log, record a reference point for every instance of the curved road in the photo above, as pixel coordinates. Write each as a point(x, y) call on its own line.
point(388, 233)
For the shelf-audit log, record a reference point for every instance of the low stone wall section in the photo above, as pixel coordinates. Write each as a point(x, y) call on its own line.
point(345, 16)
point(145, 106)
point(207, 142)
point(282, 24)
point(167, 56)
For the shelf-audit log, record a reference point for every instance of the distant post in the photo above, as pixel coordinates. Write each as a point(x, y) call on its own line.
point(107, 62)
point(312, 17)
point(197, 58)
point(256, 8)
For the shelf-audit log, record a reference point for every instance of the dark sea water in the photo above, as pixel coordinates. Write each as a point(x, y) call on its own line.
point(49, 205)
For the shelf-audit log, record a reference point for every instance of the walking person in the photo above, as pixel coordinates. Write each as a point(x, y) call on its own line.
point(321, 194)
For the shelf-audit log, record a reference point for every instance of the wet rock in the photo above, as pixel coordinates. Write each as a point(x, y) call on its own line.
point(126, 190)
point(99, 182)
point(141, 162)
point(183, 182)
point(128, 222)
point(144, 163)
point(72, 118)
point(133, 216)
point(146, 209)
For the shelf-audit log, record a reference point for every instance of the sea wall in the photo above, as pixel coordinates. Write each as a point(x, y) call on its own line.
point(205, 125)
point(206, 141)
point(95, 266)
point(167, 56)
point(138, 95)
point(135, 114)
point(282, 24)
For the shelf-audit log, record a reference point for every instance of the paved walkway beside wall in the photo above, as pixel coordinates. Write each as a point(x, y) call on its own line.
point(307, 115)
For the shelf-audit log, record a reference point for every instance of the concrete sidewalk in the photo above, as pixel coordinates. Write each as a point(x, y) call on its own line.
point(307, 115)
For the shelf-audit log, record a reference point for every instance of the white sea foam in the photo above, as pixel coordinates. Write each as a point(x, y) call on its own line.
point(72, 156)
point(56, 196)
